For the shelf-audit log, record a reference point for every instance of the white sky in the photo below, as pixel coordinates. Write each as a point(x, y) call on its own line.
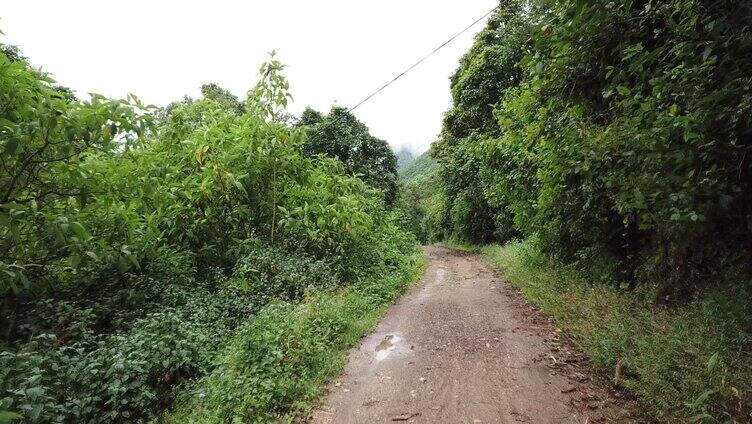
point(336, 51)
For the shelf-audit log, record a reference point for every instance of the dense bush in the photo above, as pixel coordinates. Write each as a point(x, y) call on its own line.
point(277, 364)
point(621, 132)
point(341, 135)
point(485, 72)
point(73, 372)
point(46, 138)
point(132, 249)
point(642, 158)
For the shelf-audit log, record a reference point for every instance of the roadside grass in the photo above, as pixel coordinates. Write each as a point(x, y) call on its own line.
point(687, 364)
point(278, 364)
point(461, 246)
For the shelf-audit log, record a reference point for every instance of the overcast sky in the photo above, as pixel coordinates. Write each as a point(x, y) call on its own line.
point(337, 51)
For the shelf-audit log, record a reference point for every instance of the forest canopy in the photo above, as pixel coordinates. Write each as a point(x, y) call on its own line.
point(341, 135)
point(611, 130)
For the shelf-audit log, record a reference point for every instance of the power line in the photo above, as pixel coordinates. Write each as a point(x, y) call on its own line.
point(410, 68)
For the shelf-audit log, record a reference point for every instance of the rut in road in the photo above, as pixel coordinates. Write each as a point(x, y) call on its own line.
point(464, 347)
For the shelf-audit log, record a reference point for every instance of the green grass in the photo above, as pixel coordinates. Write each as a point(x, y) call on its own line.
point(462, 246)
point(278, 364)
point(689, 363)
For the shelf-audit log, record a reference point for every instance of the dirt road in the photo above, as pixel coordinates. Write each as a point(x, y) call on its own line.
point(464, 347)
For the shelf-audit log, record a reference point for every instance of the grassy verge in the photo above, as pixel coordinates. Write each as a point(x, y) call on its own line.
point(278, 364)
point(461, 246)
point(692, 363)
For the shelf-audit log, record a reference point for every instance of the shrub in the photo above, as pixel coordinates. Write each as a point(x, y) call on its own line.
point(622, 131)
point(277, 365)
point(132, 252)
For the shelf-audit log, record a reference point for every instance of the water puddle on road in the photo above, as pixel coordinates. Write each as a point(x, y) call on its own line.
point(440, 274)
point(386, 346)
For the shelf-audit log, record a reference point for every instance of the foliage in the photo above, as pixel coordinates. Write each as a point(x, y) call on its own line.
point(422, 165)
point(134, 248)
point(341, 135)
point(421, 200)
point(46, 140)
point(277, 364)
point(330, 213)
point(691, 363)
point(657, 132)
point(485, 72)
point(404, 158)
point(12, 53)
point(615, 137)
point(218, 94)
point(72, 373)
point(621, 132)
point(274, 273)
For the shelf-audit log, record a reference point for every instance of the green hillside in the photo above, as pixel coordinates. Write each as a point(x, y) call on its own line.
point(422, 165)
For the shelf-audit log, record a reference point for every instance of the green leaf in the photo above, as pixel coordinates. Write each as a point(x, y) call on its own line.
point(80, 231)
point(132, 259)
point(7, 416)
point(122, 264)
point(690, 135)
point(712, 363)
point(700, 417)
point(703, 398)
point(706, 53)
point(23, 279)
point(10, 147)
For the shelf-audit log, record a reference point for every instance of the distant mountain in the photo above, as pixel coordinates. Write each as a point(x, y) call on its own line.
point(404, 158)
point(422, 165)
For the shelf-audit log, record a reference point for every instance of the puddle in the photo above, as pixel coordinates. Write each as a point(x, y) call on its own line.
point(440, 274)
point(386, 346)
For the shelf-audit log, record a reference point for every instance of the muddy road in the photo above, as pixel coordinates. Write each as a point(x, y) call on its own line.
point(464, 347)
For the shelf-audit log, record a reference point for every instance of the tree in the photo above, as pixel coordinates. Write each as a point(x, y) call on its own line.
point(340, 134)
point(485, 73)
point(45, 136)
point(218, 94)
